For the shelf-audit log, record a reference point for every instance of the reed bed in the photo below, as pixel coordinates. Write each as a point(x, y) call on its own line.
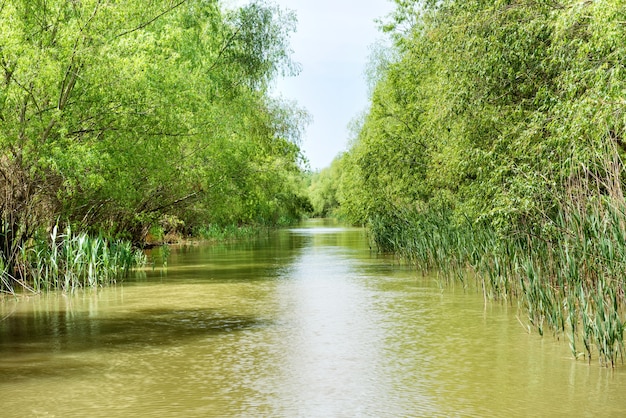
point(67, 261)
point(569, 283)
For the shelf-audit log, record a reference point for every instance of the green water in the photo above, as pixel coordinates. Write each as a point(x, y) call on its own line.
point(304, 323)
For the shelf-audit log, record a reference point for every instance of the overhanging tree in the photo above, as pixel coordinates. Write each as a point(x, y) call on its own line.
point(115, 114)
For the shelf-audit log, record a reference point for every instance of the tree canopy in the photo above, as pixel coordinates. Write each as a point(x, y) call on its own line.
point(491, 110)
point(494, 144)
point(116, 114)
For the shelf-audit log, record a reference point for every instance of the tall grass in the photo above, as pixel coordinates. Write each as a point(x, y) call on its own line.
point(67, 261)
point(571, 282)
point(6, 278)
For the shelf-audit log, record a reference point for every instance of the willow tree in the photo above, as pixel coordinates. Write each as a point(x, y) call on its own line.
point(492, 108)
point(495, 142)
point(114, 114)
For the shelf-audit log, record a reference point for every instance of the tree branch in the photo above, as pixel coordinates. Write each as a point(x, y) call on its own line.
point(223, 49)
point(143, 25)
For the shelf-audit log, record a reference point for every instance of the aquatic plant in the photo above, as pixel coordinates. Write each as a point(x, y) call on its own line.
point(159, 256)
point(67, 261)
point(571, 281)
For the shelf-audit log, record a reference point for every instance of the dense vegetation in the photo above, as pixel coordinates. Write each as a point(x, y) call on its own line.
point(494, 144)
point(492, 148)
point(125, 118)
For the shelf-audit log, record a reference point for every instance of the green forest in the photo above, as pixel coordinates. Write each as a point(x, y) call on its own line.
point(125, 120)
point(491, 150)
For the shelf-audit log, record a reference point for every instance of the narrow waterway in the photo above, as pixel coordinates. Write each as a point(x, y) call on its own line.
point(307, 322)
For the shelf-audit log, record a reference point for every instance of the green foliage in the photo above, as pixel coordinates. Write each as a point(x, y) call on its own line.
point(323, 190)
point(489, 108)
point(67, 261)
point(494, 141)
point(226, 232)
point(115, 115)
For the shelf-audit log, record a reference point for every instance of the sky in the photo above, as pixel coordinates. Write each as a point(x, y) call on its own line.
point(332, 44)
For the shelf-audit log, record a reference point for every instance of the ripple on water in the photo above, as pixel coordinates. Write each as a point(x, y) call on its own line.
point(309, 323)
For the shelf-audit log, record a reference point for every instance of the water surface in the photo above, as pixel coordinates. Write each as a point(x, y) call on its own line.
point(307, 322)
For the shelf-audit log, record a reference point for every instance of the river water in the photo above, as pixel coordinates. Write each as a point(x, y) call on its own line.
point(307, 322)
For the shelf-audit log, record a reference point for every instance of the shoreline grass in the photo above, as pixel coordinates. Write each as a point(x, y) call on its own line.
point(67, 261)
point(571, 283)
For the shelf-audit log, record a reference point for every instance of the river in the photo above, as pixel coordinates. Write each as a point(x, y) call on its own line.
point(307, 322)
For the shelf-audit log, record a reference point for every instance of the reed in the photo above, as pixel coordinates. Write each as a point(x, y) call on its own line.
point(67, 261)
point(159, 256)
point(6, 279)
point(571, 282)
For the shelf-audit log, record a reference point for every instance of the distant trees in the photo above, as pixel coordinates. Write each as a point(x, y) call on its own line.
point(324, 188)
point(116, 114)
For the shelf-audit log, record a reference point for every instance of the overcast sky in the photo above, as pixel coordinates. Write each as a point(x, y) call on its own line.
point(332, 44)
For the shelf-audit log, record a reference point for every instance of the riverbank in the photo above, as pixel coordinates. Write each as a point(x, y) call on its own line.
point(570, 282)
point(65, 260)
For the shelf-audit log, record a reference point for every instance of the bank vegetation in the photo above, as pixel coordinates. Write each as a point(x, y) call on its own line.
point(123, 120)
point(493, 148)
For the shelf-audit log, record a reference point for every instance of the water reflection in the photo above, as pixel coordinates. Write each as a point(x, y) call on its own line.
point(306, 322)
point(67, 331)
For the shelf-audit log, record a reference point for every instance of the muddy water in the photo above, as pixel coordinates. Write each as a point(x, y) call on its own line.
point(304, 323)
